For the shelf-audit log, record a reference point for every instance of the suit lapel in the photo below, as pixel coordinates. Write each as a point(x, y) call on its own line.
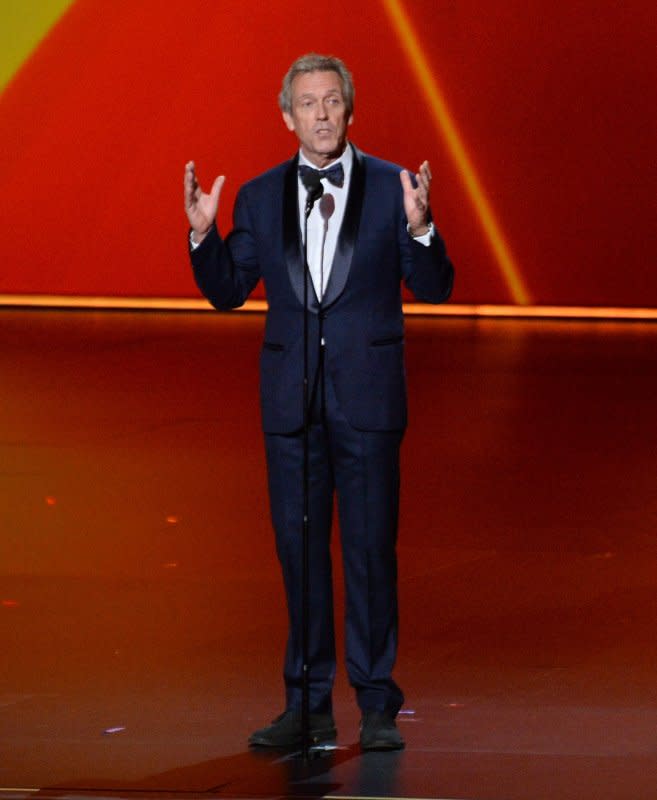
point(344, 249)
point(292, 235)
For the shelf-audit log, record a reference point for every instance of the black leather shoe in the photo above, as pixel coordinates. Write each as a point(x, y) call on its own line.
point(285, 731)
point(379, 732)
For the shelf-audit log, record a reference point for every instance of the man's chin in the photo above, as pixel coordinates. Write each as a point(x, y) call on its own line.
point(329, 147)
point(325, 151)
point(326, 145)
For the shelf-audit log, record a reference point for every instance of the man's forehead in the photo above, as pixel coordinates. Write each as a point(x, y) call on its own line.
point(318, 80)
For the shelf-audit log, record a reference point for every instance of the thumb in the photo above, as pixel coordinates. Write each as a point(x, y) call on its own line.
point(216, 188)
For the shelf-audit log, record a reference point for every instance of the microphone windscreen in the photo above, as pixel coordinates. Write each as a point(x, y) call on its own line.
point(327, 206)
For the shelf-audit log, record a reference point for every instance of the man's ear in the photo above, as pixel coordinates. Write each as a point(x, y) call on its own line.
point(289, 122)
point(351, 119)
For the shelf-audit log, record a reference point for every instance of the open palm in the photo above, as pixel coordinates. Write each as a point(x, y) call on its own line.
point(201, 208)
point(416, 198)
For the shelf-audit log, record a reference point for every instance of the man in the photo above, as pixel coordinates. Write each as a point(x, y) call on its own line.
point(376, 231)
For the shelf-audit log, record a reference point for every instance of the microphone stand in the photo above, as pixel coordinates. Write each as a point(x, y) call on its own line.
point(315, 190)
point(326, 209)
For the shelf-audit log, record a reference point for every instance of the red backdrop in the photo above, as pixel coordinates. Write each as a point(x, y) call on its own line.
point(555, 104)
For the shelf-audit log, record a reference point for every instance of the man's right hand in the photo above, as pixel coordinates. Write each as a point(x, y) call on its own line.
point(201, 208)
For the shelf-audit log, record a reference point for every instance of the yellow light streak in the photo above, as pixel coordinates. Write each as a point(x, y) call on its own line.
point(44, 301)
point(447, 128)
point(22, 28)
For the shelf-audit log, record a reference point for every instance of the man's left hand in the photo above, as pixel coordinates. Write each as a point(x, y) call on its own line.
point(416, 200)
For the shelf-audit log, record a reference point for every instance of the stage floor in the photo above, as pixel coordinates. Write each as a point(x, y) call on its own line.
point(141, 614)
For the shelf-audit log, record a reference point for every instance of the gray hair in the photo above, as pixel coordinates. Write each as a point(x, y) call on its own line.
point(313, 62)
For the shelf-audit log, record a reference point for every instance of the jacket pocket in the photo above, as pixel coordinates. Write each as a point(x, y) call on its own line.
point(388, 340)
point(273, 346)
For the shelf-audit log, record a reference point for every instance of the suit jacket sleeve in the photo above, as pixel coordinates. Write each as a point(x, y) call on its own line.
point(427, 271)
point(226, 271)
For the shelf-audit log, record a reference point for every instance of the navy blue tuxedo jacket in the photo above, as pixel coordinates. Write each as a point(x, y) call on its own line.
point(360, 317)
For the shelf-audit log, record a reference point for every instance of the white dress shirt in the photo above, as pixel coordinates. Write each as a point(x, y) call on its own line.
point(321, 251)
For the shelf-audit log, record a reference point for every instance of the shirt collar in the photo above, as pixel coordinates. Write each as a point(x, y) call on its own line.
point(346, 159)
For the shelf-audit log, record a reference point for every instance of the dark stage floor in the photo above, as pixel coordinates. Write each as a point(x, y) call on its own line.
point(141, 616)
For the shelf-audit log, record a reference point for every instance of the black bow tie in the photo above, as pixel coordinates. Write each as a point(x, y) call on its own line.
point(334, 174)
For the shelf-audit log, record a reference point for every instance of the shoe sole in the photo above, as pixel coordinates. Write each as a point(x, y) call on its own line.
point(317, 739)
point(382, 745)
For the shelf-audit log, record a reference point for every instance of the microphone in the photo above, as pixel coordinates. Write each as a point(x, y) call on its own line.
point(327, 207)
point(314, 188)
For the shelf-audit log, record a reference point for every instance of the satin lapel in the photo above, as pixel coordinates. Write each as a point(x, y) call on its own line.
point(292, 235)
point(344, 249)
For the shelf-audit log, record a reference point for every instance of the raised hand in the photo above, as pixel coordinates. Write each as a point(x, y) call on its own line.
point(201, 208)
point(416, 200)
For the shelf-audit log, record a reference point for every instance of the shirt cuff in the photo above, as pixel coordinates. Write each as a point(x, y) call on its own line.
point(426, 238)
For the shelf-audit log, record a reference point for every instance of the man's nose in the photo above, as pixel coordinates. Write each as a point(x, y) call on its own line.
point(322, 112)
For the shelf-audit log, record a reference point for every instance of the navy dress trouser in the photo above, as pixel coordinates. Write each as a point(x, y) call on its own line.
point(362, 468)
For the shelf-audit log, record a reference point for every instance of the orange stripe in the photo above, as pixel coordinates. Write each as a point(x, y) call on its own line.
point(412, 309)
point(447, 128)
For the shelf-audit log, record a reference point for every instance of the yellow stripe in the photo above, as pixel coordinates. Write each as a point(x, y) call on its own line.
point(533, 312)
point(23, 25)
point(447, 127)
point(370, 797)
point(116, 303)
point(259, 306)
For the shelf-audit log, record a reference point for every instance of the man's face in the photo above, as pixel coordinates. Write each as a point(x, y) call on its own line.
point(319, 116)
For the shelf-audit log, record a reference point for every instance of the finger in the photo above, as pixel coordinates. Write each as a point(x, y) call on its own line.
point(424, 176)
point(190, 173)
point(189, 190)
point(190, 178)
point(192, 192)
point(424, 183)
point(422, 189)
point(406, 182)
